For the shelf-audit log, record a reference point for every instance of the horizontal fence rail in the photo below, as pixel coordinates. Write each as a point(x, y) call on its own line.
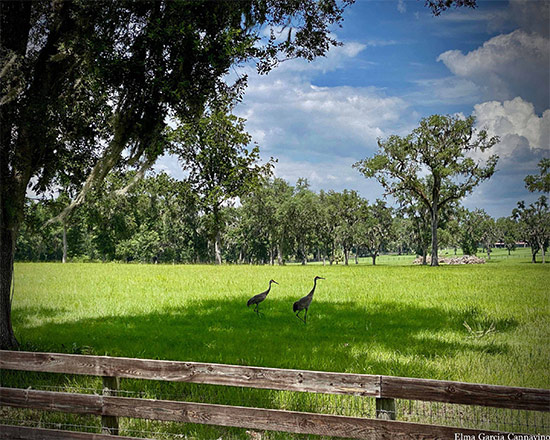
point(224, 415)
point(194, 372)
point(496, 396)
point(8, 432)
point(380, 386)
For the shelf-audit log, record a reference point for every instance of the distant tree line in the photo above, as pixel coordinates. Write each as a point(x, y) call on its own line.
point(161, 219)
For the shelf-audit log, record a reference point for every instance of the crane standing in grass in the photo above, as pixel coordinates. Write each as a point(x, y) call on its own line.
point(257, 299)
point(303, 303)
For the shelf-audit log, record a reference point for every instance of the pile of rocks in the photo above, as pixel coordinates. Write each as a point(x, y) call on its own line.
point(465, 259)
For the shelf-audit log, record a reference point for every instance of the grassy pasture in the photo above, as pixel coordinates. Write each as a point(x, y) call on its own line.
point(393, 319)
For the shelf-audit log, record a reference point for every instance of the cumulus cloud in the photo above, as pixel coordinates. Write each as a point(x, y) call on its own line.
point(288, 115)
point(514, 118)
point(509, 65)
point(292, 116)
point(318, 132)
point(524, 141)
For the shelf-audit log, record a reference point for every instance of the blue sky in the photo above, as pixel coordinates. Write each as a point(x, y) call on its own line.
point(399, 64)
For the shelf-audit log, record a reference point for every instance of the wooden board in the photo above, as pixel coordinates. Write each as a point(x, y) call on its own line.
point(465, 393)
point(195, 372)
point(27, 433)
point(282, 379)
point(223, 415)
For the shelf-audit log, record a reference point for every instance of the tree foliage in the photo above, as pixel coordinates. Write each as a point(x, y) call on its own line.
point(433, 164)
point(215, 151)
point(507, 232)
point(534, 225)
point(542, 181)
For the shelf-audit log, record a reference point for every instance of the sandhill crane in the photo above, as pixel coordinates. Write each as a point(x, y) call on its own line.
point(257, 299)
point(303, 303)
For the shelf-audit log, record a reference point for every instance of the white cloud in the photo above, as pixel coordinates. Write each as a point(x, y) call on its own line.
point(318, 132)
point(289, 113)
point(509, 65)
point(515, 118)
point(448, 90)
point(524, 140)
point(336, 58)
point(401, 6)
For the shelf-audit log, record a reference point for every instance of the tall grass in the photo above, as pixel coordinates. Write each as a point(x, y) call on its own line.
point(391, 319)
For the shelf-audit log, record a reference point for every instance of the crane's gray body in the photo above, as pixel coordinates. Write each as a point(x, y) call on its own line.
point(257, 299)
point(304, 303)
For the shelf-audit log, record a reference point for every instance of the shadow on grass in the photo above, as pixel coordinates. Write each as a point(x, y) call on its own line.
point(384, 338)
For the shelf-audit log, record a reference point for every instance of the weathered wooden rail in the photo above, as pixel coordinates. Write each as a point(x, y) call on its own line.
point(384, 388)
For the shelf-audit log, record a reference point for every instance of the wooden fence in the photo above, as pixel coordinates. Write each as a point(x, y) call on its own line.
point(384, 388)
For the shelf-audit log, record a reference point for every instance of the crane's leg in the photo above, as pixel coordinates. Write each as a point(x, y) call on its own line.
point(305, 317)
point(299, 317)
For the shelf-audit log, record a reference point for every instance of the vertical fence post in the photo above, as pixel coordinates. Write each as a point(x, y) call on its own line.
point(109, 424)
point(385, 408)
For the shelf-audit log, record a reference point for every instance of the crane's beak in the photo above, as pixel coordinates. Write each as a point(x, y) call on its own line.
point(273, 281)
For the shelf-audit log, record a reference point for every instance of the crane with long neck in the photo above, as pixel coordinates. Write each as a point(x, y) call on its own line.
point(257, 299)
point(303, 303)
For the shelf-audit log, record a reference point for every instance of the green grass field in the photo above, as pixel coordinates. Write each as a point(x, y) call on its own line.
point(394, 319)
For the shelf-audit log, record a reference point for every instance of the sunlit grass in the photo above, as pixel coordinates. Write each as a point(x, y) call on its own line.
point(399, 320)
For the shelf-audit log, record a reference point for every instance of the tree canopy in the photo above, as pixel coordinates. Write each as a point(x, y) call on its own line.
point(433, 164)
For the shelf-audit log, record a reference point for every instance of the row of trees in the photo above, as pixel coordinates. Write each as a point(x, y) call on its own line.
point(163, 219)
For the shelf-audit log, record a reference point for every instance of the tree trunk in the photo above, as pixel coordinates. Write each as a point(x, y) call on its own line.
point(435, 217)
point(533, 256)
point(64, 260)
point(280, 261)
point(373, 259)
point(424, 257)
point(356, 257)
point(7, 250)
point(346, 256)
point(217, 247)
point(541, 245)
point(435, 221)
point(217, 235)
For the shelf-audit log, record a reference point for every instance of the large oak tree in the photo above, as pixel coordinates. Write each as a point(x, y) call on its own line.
point(433, 164)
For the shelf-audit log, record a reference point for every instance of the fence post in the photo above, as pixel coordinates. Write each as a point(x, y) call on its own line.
point(109, 424)
point(385, 408)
